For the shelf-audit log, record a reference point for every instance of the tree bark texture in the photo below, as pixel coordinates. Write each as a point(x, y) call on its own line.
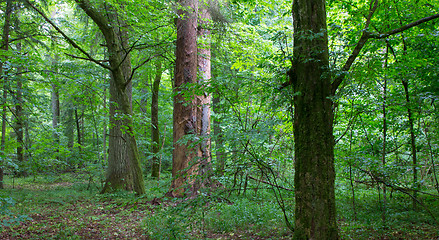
point(5, 44)
point(203, 101)
point(315, 213)
point(184, 115)
point(124, 171)
point(155, 131)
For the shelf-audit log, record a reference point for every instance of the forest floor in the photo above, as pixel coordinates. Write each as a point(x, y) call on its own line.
point(65, 208)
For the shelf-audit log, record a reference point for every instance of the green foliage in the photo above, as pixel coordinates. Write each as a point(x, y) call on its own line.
point(246, 215)
point(8, 217)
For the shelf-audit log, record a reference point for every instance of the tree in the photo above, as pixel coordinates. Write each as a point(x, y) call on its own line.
point(204, 99)
point(315, 213)
point(184, 116)
point(124, 171)
point(313, 117)
point(155, 131)
point(4, 46)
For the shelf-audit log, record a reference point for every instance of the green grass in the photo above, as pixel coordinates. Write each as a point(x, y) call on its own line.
point(69, 207)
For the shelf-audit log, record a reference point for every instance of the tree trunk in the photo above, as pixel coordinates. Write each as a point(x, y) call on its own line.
point(315, 213)
point(70, 125)
point(405, 84)
point(124, 171)
point(78, 129)
point(155, 131)
point(5, 44)
point(184, 116)
point(203, 101)
point(55, 110)
point(412, 142)
point(104, 134)
point(19, 116)
point(219, 141)
point(384, 151)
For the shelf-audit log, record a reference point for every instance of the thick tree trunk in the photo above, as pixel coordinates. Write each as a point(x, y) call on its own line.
point(5, 44)
point(315, 213)
point(124, 171)
point(155, 131)
point(185, 122)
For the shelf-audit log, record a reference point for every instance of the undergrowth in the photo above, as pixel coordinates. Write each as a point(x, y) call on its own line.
point(69, 207)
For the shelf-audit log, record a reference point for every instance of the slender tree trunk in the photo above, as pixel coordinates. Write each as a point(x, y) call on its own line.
point(55, 109)
point(412, 142)
point(405, 84)
point(315, 212)
point(184, 116)
point(384, 151)
point(155, 131)
point(350, 169)
point(19, 116)
point(219, 141)
point(5, 44)
point(78, 129)
point(70, 125)
point(104, 134)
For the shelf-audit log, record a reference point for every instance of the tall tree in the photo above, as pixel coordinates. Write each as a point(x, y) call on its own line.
point(155, 131)
point(184, 116)
point(55, 106)
point(124, 169)
point(315, 215)
point(4, 46)
point(204, 100)
point(123, 173)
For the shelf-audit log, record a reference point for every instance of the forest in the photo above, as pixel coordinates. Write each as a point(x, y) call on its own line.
point(219, 119)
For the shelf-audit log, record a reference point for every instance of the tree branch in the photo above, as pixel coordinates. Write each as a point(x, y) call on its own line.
point(363, 39)
point(366, 35)
point(403, 28)
point(67, 38)
point(138, 66)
